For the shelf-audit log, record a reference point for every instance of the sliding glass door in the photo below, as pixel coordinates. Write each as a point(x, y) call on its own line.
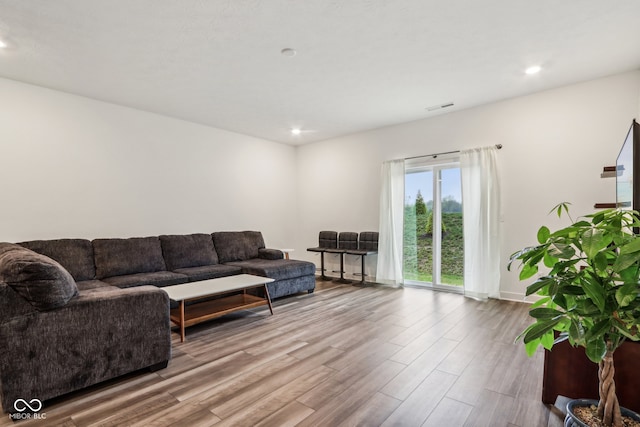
point(433, 242)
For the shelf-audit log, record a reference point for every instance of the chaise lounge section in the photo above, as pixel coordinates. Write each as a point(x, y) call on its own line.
point(246, 251)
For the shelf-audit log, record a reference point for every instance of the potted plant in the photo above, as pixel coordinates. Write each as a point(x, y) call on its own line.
point(590, 292)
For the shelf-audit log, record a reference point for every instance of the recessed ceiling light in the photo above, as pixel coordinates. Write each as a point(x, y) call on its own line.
point(535, 69)
point(296, 131)
point(2, 44)
point(287, 51)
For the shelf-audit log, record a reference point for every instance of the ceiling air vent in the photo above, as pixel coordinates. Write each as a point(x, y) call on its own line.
point(440, 107)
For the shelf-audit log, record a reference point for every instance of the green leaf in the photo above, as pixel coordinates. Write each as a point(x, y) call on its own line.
point(586, 307)
point(575, 332)
point(548, 260)
point(598, 218)
point(596, 350)
point(571, 290)
point(528, 271)
point(626, 294)
point(538, 329)
point(581, 224)
point(525, 254)
point(561, 300)
point(625, 261)
point(629, 275)
point(626, 333)
point(547, 340)
point(600, 261)
point(540, 302)
point(539, 284)
point(543, 234)
point(594, 291)
point(558, 208)
point(563, 267)
point(598, 330)
point(631, 247)
point(531, 347)
point(561, 250)
point(544, 313)
point(594, 240)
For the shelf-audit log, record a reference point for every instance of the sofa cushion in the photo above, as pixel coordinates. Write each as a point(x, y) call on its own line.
point(92, 285)
point(253, 242)
point(206, 272)
point(230, 246)
point(117, 257)
point(75, 255)
point(158, 278)
point(37, 278)
point(184, 251)
point(276, 269)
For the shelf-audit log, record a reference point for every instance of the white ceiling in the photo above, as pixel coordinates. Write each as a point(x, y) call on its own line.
point(361, 64)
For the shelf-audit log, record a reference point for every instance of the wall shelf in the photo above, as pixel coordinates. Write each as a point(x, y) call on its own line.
point(607, 172)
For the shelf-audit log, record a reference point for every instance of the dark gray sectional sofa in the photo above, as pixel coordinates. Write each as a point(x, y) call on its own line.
point(75, 312)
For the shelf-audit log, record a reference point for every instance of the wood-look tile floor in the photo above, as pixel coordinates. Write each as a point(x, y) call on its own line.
point(343, 356)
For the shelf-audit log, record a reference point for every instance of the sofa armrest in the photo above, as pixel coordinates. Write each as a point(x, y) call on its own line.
point(97, 336)
point(270, 253)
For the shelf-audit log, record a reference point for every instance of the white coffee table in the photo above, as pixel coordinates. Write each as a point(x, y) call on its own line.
point(201, 311)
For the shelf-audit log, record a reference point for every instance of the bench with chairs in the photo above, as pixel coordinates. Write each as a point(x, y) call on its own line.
point(346, 243)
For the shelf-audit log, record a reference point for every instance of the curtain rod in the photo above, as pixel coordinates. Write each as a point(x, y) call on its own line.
point(498, 146)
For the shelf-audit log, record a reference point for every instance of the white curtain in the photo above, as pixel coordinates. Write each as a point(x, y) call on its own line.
point(481, 213)
point(390, 241)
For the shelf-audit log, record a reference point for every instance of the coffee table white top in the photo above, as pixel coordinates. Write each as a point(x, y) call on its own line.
point(209, 287)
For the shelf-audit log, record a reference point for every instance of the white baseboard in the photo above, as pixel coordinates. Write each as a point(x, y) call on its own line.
point(518, 297)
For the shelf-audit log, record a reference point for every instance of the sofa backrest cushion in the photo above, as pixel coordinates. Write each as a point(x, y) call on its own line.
point(184, 251)
point(230, 246)
point(75, 255)
point(253, 242)
point(117, 257)
point(37, 278)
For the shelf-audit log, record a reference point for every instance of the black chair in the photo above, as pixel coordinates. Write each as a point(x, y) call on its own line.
point(347, 240)
point(326, 240)
point(367, 245)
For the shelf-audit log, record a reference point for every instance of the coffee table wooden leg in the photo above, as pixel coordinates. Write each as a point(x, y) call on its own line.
point(182, 335)
point(266, 291)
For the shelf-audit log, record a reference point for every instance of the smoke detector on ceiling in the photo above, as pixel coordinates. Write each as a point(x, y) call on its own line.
point(287, 51)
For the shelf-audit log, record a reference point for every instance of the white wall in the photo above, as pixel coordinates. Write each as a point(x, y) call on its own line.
point(555, 145)
point(75, 167)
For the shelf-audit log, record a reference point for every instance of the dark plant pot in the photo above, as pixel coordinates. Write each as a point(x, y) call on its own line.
point(571, 420)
